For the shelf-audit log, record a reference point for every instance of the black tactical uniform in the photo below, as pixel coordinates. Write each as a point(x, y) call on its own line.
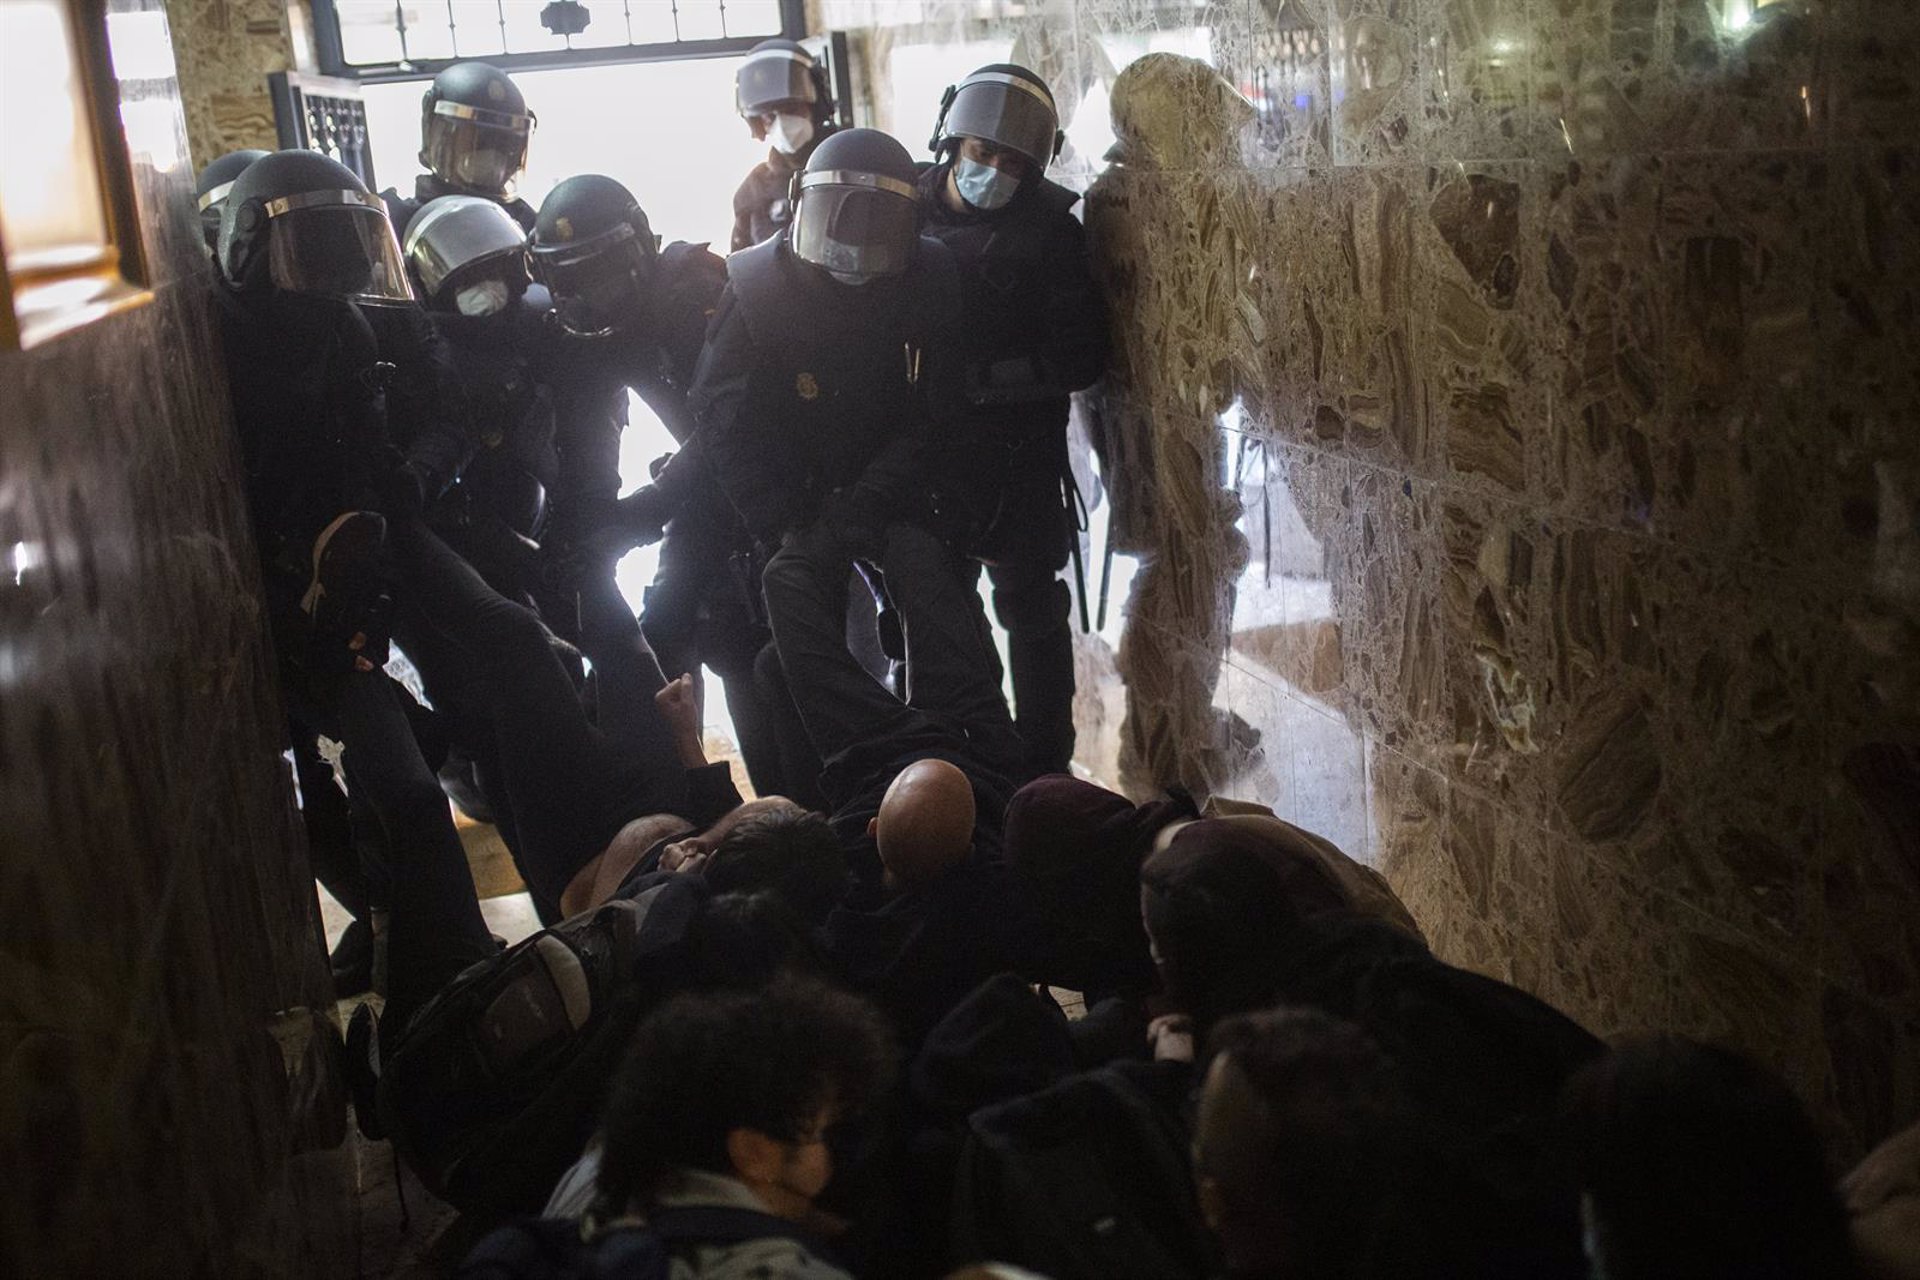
point(826, 374)
point(1035, 330)
point(474, 129)
point(644, 332)
point(349, 417)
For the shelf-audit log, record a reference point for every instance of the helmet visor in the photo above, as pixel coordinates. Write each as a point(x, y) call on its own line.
point(855, 223)
point(454, 231)
point(1004, 109)
point(336, 244)
point(595, 282)
point(772, 76)
point(476, 149)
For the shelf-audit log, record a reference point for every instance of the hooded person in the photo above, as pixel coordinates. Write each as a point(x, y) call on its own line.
point(1076, 850)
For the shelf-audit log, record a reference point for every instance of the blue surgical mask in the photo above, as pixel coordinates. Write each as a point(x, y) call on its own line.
point(982, 185)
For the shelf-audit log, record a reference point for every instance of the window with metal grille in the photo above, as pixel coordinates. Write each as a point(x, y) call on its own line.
point(405, 39)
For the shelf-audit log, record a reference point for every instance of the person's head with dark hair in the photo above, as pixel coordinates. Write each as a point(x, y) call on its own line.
point(1223, 918)
point(1693, 1161)
point(745, 940)
point(786, 851)
point(744, 1086)
point(1302, 1143)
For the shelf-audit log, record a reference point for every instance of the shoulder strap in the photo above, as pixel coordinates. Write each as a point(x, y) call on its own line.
point(755, 276)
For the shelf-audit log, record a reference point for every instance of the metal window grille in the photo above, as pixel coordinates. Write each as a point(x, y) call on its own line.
point(407, 39)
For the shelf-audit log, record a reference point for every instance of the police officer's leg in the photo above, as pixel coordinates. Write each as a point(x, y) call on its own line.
point(571, 786)
point(952, 670)
point(435, 927)
point(1035, 606)
point(840, 704)
point(799, 761)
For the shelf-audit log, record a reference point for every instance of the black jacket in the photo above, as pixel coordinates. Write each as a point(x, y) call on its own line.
point(427, 187)
point(656, 360)
point(1034, 331)
point(330, 399)
point(761, 208)
point(812, 393)
point(501, 361)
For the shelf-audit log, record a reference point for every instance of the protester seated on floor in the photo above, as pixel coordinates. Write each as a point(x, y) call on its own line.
point(733, 1101)
point(1305, 1151)
point(1237, 925)
point(1693, 1161)
point(1883, 1202)
point(943, 919)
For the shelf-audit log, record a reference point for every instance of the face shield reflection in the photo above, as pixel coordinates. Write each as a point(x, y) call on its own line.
point(1006, 110)
point(476, 149)
point(335, 244)
point(865, 230)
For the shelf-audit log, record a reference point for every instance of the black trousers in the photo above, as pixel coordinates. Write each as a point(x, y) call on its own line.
point(1035, 607)
point(951, 665)
point(572, 783)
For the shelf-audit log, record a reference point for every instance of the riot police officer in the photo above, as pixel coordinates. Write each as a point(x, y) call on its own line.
point(474, 131)
point(211, 187)
point(1035, 331)
point(348, 416)
point(469, 263)
point(636, 315)
point(783, 95)
point(826, 375)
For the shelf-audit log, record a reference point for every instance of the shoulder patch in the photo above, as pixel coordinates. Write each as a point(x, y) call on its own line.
point(806, 386)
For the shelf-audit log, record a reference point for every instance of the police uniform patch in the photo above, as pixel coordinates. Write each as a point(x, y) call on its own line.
point(805, 386)
point(563, 228)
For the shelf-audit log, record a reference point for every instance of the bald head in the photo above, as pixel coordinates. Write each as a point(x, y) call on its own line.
point(925, 824)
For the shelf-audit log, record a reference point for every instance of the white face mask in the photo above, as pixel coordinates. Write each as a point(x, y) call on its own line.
point(982, 185)
point(483, 298)
point(789, 133)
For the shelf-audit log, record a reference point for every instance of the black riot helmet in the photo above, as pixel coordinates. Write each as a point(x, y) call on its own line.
point(474, 130)
point(302, 222)
point(856, 213)
point(780, 73)
point(595, 251)
point(467, 255)
point(1006, 105)
point(211, 187)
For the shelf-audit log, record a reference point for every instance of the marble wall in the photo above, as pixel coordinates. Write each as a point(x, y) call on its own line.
point(226, 49)
point(1514, 471)
point(169, 1099)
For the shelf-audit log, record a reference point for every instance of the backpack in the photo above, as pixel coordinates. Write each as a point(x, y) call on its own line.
point(1086, 1180)
point(493, 1088)
point(558, 1249)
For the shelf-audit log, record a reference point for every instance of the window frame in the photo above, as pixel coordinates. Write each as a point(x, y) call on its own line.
point(331, 52)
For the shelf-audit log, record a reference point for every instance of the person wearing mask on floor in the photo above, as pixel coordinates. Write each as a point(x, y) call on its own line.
point(783, 95)
point(1035, 331)
point(635, 316)
point(827, 371)
point(474, 131)
point(350, 418)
